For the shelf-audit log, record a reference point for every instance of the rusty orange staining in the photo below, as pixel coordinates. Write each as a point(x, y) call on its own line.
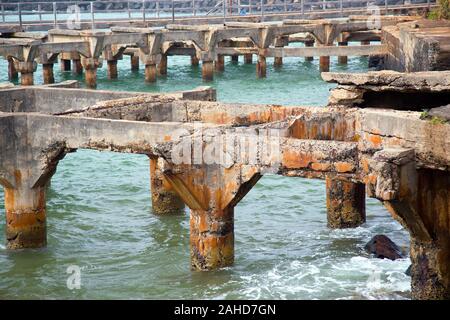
point(167, 138)
point(365, 165)
point(318, 166)
point(375, 140)
point(343, 167)
point(296, 160)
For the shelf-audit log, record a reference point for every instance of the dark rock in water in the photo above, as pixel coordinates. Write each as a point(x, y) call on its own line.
point(408, 271)
point(383, 247)
point(441, 112)
point(376, 62)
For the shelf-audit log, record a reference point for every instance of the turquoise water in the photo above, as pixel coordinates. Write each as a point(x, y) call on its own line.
point(100, 217)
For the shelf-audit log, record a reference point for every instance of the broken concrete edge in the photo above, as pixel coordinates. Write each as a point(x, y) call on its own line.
point(426, 80)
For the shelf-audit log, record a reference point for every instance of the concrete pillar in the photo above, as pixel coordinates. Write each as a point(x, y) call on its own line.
point(261, 67)
point(278, 61)
point(47, 73)
point(65, 65)
point(342, 59)
point(150, 73)
point(207, 70)
point(324, 64)
point(194, 61)
point(25, 218)
point(248, 58)
point(90, 66)
point(430, 277)
point(77, 67)
point(134, 61)
point(309, 43)
point(164, 199)
point(346, 204)
point(12, 72)
point(162, 66)
point(365, 43)
point(430, 236)
point(212, 238)
point(26, 69)
point(220, 63)
point(235, 58)
point(112, 69)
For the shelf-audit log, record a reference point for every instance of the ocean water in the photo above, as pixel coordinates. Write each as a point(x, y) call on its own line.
point(100, 217)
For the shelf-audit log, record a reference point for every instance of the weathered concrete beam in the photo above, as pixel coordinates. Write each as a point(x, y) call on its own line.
point(325, 51)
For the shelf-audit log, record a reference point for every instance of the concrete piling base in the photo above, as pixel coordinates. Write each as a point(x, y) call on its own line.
point(47, 73)
point(220, 63)
point(345, 204)
point(134, 62)
point(248, 58)
point(235, 58)
point(309, 43)
point(208, 70)
point(12, 72)
point(278, 62)
point(342, 59)
point(150, 73)
point(162, 66)
point(112, 69)
point(194, 61)
point(26, 69)
point(91, 78)
point(324, 64)
point(90, 66)
point(77, 67)
point(164, 199)
point(261, 67)
point(25, 218)
point(211, 239)
point(430, 275)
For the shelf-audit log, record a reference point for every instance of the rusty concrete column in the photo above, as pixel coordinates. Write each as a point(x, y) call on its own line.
point(194, 61)
point(26, 69)
point(164, 199)
point(212, 238)
point(90, 66)
point(261, 67)
point(65, 65)
point(324, 64)
point(25, 218)
point(111, 69)
point(47, 73)
point(278, 61)
point(309, 43)
point(430, 274)
point(342, 59)
point(365, 43)
point(134, 61)
point(207, 70)
point(12, 72)
point(235, 58)
point(248, 58)
point(150, 73)
point(77, 67)
point(346, 204)
point(430, 236)
point(220, 63)
point(162, 66)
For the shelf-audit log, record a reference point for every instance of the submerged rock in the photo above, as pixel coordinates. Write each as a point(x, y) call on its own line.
point(408, 271)
point(383, 247)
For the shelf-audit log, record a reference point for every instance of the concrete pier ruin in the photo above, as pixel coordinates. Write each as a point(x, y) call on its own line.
point(87, 50)
point(208, 155)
